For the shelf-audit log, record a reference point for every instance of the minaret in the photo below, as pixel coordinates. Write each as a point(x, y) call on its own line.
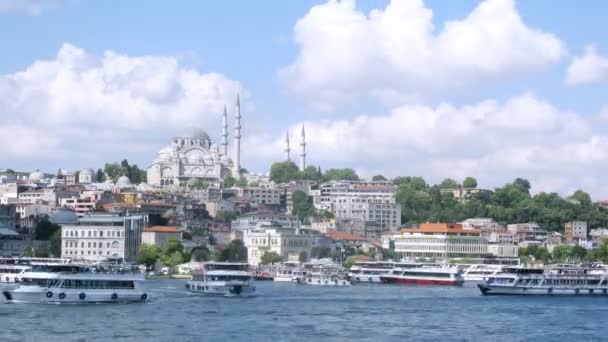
point(303, 152)
point(287, 149)
point(236, 172)
point(225, 133)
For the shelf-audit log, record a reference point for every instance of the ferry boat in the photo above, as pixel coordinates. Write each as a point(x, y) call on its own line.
point(480, 273)
point(424, 276)
point(369, 271)
point(324, 279)
point(284, 275)
point(222, 279)
point(540, 281)
point(74, 284)
point(12, 268)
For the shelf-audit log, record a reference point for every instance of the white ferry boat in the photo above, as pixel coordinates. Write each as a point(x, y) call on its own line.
point(480, 273)
point(222, 279)
point(74, 284)
point(12, 268)
point(424, 276)
point(539, 281)
point(369, 271)
point(325, 279)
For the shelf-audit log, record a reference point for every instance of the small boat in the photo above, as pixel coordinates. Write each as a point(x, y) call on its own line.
point(226, 279)
point(540, 281)
point(369, 271)
point(424, 276)
point(74, 284)
point(284, 275)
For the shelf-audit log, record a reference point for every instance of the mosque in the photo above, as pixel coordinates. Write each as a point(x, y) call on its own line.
point(192, 155)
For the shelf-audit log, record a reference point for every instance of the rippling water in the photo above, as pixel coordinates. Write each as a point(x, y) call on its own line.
point(287, 312)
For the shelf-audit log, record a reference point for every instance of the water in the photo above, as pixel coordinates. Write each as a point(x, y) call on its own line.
point(288, 312)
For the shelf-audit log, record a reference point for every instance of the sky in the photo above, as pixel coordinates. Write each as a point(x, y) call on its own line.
point(494, 89)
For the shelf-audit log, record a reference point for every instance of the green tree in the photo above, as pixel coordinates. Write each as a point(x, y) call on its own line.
point(173, 245)
point(379, 178)
point(448, 183)
point(302, 206)
point(147, 255)
point(581, 197)
point(562, 253)
point(284, 172)
point(99, 177)
point(320, 252)
point(44, 230)
point(310, 173)
point(303, 257)
point(55, 244)
point(578, 253)
point(234, 252)
point(172, 259)
point(270, 258)
point(114, 171)
point(241, 182)
point(229, 181)
point(469, 182)
point(201, 253)
point(196, 184)
point(340, 174)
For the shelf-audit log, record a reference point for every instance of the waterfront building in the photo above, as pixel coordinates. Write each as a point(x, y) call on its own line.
point(160, 235)
point(100, 236)
point(440, 241)
point(251, 220)
point(575, 230)
point(191, 155)
point(287, 242)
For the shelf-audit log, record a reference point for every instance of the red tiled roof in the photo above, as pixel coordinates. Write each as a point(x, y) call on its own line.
point(162, 229)
point(344, 236)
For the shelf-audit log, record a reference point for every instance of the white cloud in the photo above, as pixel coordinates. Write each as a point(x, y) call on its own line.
point(83, 108)
point(496, 142)
point(31, 7)
point(591, 67)
point(345, 53)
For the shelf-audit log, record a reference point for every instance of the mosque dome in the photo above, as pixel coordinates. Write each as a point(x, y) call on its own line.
point(36, 176)
point(193, 133)
point(123, 182)
point(64, 216)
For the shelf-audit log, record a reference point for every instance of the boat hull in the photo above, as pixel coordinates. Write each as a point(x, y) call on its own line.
point(283, 279)
point(489, 290)
point(418, 281)
point(366, 278)
point(73, 296)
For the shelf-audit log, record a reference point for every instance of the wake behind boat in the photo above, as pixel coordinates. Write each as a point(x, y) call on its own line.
point(222, 279)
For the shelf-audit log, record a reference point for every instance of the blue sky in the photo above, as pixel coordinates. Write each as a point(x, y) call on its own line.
point(254, 45)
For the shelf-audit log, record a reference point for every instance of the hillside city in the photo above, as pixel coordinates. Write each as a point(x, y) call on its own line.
point(194, 203)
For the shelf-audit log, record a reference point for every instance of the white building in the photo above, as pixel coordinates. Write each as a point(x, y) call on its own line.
point(528, 232)
point(288, 243)
point(33, 209)
point(599, 233)
point(385, 212)
point(261, 195)
point(81, 206)
point(361, 200)
point(440, 241)
point(34, 196)
point(160, 235)
point(100, 236)
point(8, 193)
point(251, 220)
point(86, 176)
point(191, 155)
